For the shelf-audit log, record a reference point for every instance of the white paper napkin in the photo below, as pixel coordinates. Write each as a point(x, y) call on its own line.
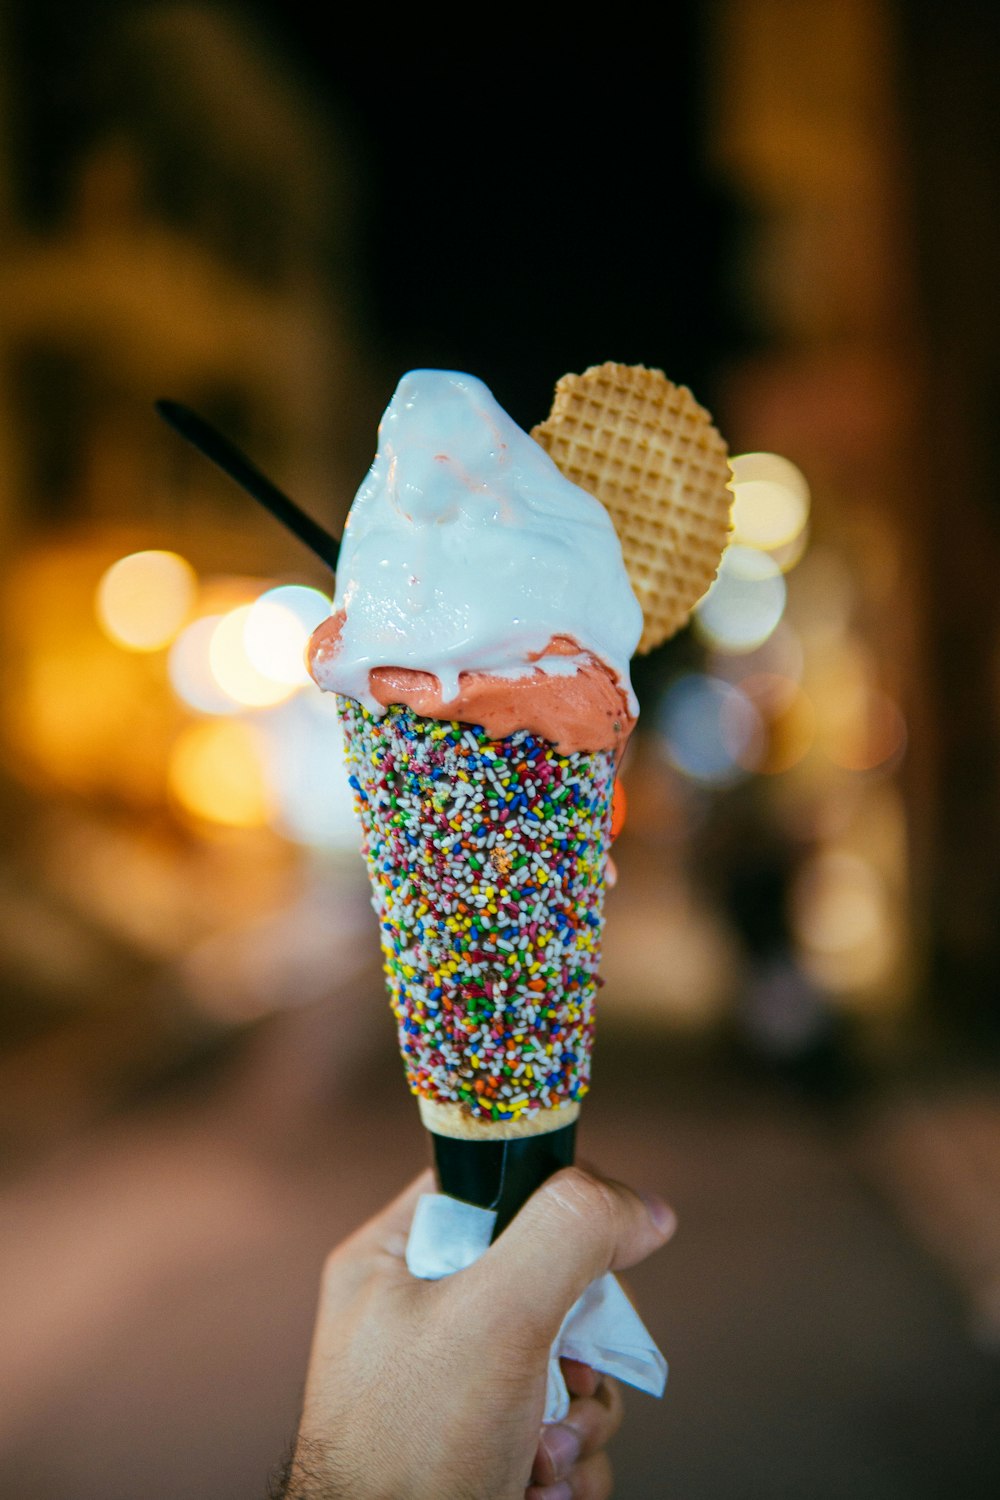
point(601, 1329)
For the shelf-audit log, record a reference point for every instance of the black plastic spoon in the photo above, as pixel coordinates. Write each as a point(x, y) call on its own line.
point(203, 436)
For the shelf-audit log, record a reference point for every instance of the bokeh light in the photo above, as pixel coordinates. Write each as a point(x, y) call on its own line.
point(216, 773)
point(788, 717)
point(278, 628)
point(791, 553)
point(766, 515)
point(770, 468)
point(143, 599)
point(770, 500)
point(710, 730)
point(189, 668)
point(841, 919)
point(821, 598)
point(303, 747)
point(838, 902)
point(781, 655)
point(233, 670)
point(874, 738)
point(744, 604)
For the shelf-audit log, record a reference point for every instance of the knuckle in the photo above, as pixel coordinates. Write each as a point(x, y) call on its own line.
point(586, 1197)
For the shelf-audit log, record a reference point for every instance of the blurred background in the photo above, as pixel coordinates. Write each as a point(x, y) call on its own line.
point(788, 205)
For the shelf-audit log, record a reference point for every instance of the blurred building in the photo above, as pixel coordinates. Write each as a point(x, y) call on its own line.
point(859, 135)
point(868, 718)
point(175, 208)
point(175, 217)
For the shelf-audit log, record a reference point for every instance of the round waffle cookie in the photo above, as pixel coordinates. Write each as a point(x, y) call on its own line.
point(646, 449)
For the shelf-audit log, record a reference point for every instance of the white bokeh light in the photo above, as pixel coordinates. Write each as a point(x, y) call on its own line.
point(277, 630)
point(307, 774)
point(770, 468)
point(744, 604)
point(190, 670)
point(233, 670)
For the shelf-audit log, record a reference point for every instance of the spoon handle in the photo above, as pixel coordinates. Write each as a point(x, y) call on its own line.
point(203, 436)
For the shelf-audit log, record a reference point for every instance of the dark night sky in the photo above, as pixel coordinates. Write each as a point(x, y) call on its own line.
point(526, 212)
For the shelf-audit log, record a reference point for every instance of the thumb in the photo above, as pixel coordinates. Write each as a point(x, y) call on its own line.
point(572, 1230)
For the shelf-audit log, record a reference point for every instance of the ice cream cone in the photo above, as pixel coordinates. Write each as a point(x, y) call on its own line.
point(482, 582)
point(487, 861)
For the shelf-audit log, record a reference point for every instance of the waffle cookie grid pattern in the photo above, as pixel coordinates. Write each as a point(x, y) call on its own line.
point(646, 449)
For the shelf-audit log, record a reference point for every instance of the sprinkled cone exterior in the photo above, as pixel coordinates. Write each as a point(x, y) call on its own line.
point(487, 861)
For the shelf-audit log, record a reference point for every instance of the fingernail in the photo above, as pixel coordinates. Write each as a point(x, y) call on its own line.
point(661, 1213)
point(562, 1445)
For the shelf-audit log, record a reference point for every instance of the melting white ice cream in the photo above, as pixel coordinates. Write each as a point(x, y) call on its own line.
point(467, 550)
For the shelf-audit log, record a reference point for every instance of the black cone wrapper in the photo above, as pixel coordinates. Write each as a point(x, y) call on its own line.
point(501, 1174)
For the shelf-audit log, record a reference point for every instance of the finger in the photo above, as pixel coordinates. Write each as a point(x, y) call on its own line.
point(588, 1426)
point(580, 1379)
point(574, 1228)
point(590, 1480)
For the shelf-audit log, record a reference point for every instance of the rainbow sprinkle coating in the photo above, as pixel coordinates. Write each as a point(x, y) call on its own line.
point(487, 861)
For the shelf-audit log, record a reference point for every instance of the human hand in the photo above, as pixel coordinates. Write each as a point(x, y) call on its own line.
point(434, 1390)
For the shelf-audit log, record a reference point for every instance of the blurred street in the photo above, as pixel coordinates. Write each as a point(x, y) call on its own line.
point(159, 1274)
